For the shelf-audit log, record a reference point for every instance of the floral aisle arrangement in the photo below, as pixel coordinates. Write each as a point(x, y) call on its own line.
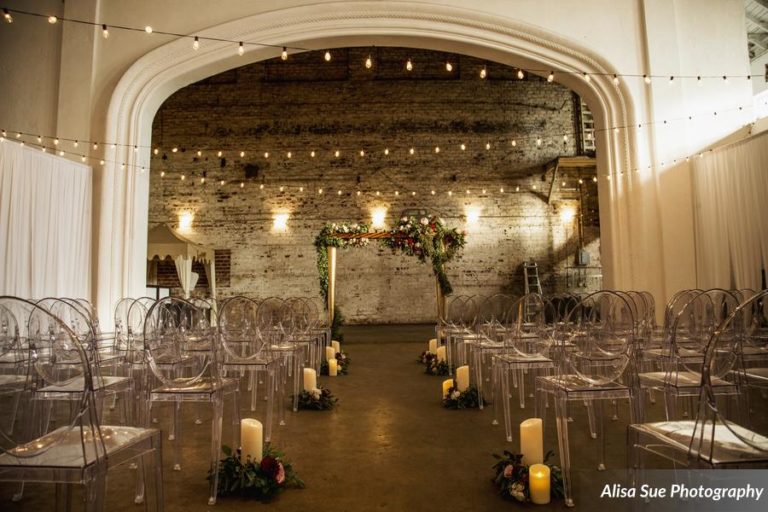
point(327, 238)
point(255, 479)
point(342, 364)
point(432, 366)
point(467, 399)
point(318, 399)
point(428, 239)
point(512, 479)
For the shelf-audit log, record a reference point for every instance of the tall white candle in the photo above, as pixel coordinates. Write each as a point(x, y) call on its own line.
point(251, 440)
point(538, 483)
point(447, 384)
point(333, 367)
point(310, 379)
point(336, 346)
point(440, 354)
point(532, 441)
point(330, 353)
point(433, 346)
point(462, 378)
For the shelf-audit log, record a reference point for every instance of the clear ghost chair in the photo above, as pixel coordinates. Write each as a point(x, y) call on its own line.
point(526, 354)
point(712, 440)
point(242, 349)
point(81, 450)
point(688, 334)
point(594, 344)
point(275, 324)
point(451, 325)
point(465, 334)
point(166, 339)
point(14, 360)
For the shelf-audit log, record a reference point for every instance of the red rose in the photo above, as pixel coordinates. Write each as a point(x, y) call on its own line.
point(271, 467)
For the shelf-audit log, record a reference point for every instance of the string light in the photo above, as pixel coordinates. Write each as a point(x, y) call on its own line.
point(336, 153)
point(312, 154)
point(327, 57)
point(647, 79)
point(266, 154)
point(242, 185)
point(173, 150)
point(539, 141)
point(261, 187)
point(196, 44)
point(368, 62)
point(199, 153)
point(358, 192)
point(409, 65)
point(517, 188)
point(615, 79)
point(437, 149)
point(411, 151)
point(501, 190)
point(386, 151)
point(514, 143)
point(39, 138)
point(289, 154)
point(483, 73)
point(55, 142)
point(284, 54)
point(520, 74)
point(52, 19)
point(148, 29)
point(671, 80)
point(105, 32)
point(432, 192)
point(463, 147)
point(487, 146)
point(242, 154)
point(240, 49)
point(162, 173)
point(95, 145)
point(76, 144)
point(319, 191)
point(551, 77)
point(7, 16)
point(217, 154)
point(362, 153)
point(587, 78)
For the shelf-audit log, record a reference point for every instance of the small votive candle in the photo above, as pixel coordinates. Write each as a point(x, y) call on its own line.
point(333, 367)
point(538, 483)
point(310, 379)
point(433, 346)
point(330, 353)
point(447, 384)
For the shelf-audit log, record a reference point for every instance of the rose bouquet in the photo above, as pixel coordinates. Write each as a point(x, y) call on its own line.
point(342, 361)
point(432, 366)
point(467, 399)
point(255, 479)
point(512, 477)
point(318, 399)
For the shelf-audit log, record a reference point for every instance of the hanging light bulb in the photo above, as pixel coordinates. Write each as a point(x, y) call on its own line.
point(437, 149)
point(411, 151)
point(75, 144)
point(266, 154)
point(671, 80)
point(219, 154)
point(148, 29)
point(289, 154)
point(282, 188)
point(386, 151)
point(202, 180)
point(378, 193)
point(312, 154)
point(520, 74)
point(101, 162)
point(221, 183)
point(242, 154)
point(450, 192)
point(7, 16)
point(301, 189)
point(261, 187)
point(517, 188)
point(594, 179)
point(397, 193)
point(615, 79)
point(104, 32)
point(551, 76)
point(448, 67)
point(196, 44)
point(199, 153)
point(647, 79)
point(284, 53)
point(240, 49)
point(242, 185)
point(39, 138)
point(487, 146)
point(587, 77)
point(725, 79)
point(182, 176)
point(514, 143)
point(409, 65)
point(501, 190)
point(698, 80)
point(327, 58)
point(368, 62)
point(319, 191)
point(362, 153)
point(432, 192)
point(162, 173)
point(95, 145)
point(61, 153)
point(539, 141)
point(52, 19)
point(463, 147)
point(55, 142)
point(358, 192)
point(337, 153)
point(483, 73)
point(413, 193)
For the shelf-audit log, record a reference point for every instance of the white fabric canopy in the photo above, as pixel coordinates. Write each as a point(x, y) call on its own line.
point(730, 189)
point(45, 224)
point(163, 242)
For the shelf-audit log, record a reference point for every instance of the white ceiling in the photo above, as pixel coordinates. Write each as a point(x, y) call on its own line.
point(757, 27)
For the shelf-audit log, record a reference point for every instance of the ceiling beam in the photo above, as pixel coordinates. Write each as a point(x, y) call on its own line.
point(754, 39)
point(762, 25)
point(761, 3)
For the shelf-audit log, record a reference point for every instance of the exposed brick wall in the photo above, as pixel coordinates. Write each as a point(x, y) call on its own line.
point(307, 104)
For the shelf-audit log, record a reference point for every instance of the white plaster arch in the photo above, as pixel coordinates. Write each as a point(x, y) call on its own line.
point(123, 201)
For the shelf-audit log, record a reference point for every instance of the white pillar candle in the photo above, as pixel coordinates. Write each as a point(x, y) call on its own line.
point(462, 378)
point(538, 483)
point(336, 346)
point(251, 440)
point(433, 346)
point(333, 367)
point(330, 353)
point(531, 441)
point(310, 379)
point(447, 384)
point(440, 354)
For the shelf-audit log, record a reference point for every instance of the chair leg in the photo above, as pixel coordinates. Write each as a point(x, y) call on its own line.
point(141, 478)
point(95, 492)
point(562, 439)
point(600, 427)
point(218, 412)
point(159, 502)
point(176, 436)
point(505, 403)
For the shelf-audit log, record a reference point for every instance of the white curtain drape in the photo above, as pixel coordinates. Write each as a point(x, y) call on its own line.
point(45, 224)
point(730, 189)
point(186, 276)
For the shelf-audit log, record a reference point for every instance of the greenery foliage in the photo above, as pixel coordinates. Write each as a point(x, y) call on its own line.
point(327, 238)
point(260, 479)
point(467, 399)
point(432, 366)
point(342, 362)
point(511, 478)
point(320, 399)
point(338, 321)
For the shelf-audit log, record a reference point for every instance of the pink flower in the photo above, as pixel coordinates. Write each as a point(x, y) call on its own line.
point(280, 477)
point(508, 471)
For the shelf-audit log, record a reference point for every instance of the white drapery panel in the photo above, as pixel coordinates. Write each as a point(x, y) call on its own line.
point(186, 276)
point(730, 188)
point(45, 224)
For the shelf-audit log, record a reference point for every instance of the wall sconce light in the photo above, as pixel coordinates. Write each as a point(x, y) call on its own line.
point(378, 215)
point(567, 214)
point(185, 221)
point(472, 214)
point(280, 223)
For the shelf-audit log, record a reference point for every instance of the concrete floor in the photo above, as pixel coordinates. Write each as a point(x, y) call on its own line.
point(389, 445)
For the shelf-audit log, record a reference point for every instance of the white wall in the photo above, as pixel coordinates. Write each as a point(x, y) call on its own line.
point(653, 232)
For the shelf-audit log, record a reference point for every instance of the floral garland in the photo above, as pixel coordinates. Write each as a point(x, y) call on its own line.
point(467, 399)
point(255, 479)
point(342, 364)
point(327, 238)
point(319, 399)
point(428, 239)
point(512, 477)
point(432, 366)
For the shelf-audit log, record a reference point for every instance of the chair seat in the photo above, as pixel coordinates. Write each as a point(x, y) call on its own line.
point(677, 379)
point(684, 353)
point(574, 383)
point(77, 384)
point(729, 448)
point(756, 375)
point(66, 449)
point(12, 381)
point(204, 385)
